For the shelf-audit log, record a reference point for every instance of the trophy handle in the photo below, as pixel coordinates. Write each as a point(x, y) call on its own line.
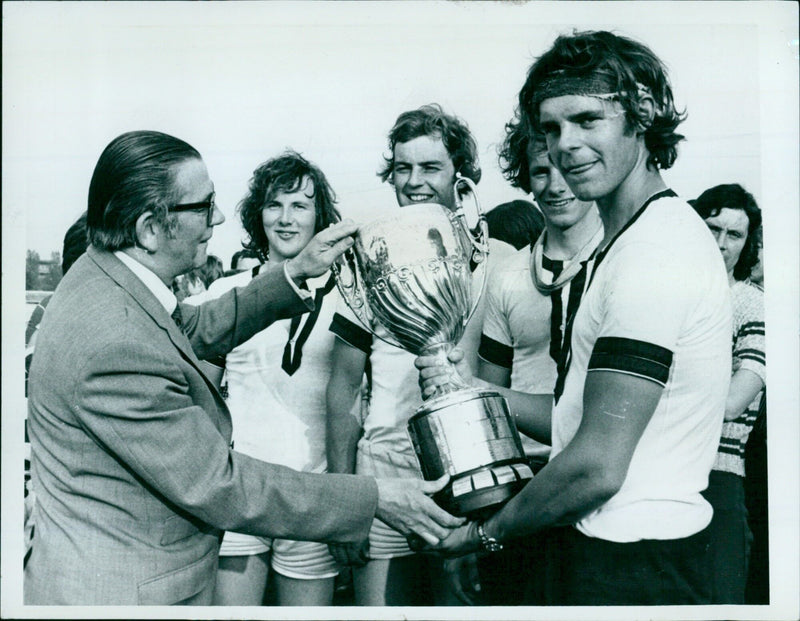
point(477, 237)
point(349, 282)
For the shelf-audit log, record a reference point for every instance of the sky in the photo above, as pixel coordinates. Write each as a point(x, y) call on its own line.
point(243, 81)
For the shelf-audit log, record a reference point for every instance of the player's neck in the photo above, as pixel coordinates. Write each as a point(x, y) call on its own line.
point(618, 207)
point(563, 244)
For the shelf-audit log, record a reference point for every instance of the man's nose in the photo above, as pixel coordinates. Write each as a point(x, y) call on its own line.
point(286, 213)
point(568, 138)
point(415, 177)
point(556, 186)
point(218, 217)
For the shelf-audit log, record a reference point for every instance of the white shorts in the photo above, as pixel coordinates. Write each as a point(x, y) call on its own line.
point(302, 560)
point(383, 461)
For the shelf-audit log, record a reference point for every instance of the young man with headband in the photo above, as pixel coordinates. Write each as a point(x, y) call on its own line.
point(638, 408)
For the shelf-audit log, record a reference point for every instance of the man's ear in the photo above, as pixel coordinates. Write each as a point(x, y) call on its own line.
point(147, 232)
point(646, 112)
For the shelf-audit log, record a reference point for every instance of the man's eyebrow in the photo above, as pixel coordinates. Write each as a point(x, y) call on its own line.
point(425, 163)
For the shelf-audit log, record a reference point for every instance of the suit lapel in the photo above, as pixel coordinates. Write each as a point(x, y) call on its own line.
point(144, 298)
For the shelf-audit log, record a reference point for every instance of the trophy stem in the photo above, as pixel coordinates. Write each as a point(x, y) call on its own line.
point(454, 382)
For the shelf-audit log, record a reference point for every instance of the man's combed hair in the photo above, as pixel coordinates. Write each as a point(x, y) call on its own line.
point(626, 65)
point(431, 120)
point(734, 196)
point(135, 174)
point(284, 173)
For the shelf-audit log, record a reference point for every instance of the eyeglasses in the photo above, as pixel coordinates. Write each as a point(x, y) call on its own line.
point(207, 204)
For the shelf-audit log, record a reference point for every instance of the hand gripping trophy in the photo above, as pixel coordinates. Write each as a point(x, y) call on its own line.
point(411, 272)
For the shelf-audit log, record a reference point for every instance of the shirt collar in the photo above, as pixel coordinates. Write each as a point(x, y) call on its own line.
point(156, 286)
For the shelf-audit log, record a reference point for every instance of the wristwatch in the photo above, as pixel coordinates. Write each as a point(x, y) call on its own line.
point(489, 544)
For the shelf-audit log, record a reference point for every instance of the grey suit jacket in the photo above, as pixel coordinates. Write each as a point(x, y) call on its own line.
point(134, 474)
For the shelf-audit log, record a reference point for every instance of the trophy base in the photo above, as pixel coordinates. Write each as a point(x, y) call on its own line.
point(470, 435)
point(479, 493)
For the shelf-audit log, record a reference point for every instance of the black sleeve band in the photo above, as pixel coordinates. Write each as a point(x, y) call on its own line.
point(632, 357)
point(496, 352)
point(355, 335)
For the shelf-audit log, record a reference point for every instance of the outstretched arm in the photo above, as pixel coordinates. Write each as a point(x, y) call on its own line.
point(590, 469)
point(532, 413)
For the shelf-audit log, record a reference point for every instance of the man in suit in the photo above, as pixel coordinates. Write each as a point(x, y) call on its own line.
point(132, 464)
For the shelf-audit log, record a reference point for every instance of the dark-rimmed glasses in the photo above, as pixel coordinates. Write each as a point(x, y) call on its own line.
point(207, 204)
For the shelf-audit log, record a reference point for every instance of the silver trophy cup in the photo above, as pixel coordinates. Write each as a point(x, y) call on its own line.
point(411, 273)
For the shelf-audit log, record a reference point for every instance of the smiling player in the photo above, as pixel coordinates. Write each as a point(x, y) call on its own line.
point(640, 401)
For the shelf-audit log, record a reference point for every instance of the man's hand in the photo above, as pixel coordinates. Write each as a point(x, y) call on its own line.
point(350, 554)
point(321, 251)
point(403, 505)
point(463, 577)
point(463, 540)
point(434, 371)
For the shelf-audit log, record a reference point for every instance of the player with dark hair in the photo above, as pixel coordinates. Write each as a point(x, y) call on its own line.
point(635, 420)
point(429, 149)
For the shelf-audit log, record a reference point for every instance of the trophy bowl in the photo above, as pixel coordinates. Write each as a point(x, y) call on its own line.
point(411, 272)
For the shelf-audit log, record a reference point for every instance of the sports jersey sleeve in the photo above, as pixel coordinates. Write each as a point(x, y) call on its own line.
point(347, 327)
point(646, 303)
point(496, 345)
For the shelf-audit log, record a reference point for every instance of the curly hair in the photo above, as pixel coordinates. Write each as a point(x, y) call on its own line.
point(284, 173)
point(628, 68)
point(431, 120)
point(513, 154)
point(734, 196)
point(135, 174)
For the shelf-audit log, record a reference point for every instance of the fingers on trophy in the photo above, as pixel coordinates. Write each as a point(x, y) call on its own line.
point(411, 273)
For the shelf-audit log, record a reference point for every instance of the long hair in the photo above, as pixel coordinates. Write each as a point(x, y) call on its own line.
point(513, 154)
point(431, 120)
point(625, 66)
point(135, 174)
point(284, 173)
point(734, 196)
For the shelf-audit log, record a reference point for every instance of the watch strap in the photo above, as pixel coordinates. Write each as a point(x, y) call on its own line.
point(489, 544)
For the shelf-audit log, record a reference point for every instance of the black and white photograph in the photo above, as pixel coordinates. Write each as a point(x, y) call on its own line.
point(401, 310)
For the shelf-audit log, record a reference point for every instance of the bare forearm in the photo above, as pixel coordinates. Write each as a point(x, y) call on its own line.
point(343, 430)
point(562, 493)
point(531, 413)
point(341, 445)
point(593, 466)
point(745, 385)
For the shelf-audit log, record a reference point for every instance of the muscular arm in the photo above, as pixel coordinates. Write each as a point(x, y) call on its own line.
point(343, 427)
point(593, 466)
